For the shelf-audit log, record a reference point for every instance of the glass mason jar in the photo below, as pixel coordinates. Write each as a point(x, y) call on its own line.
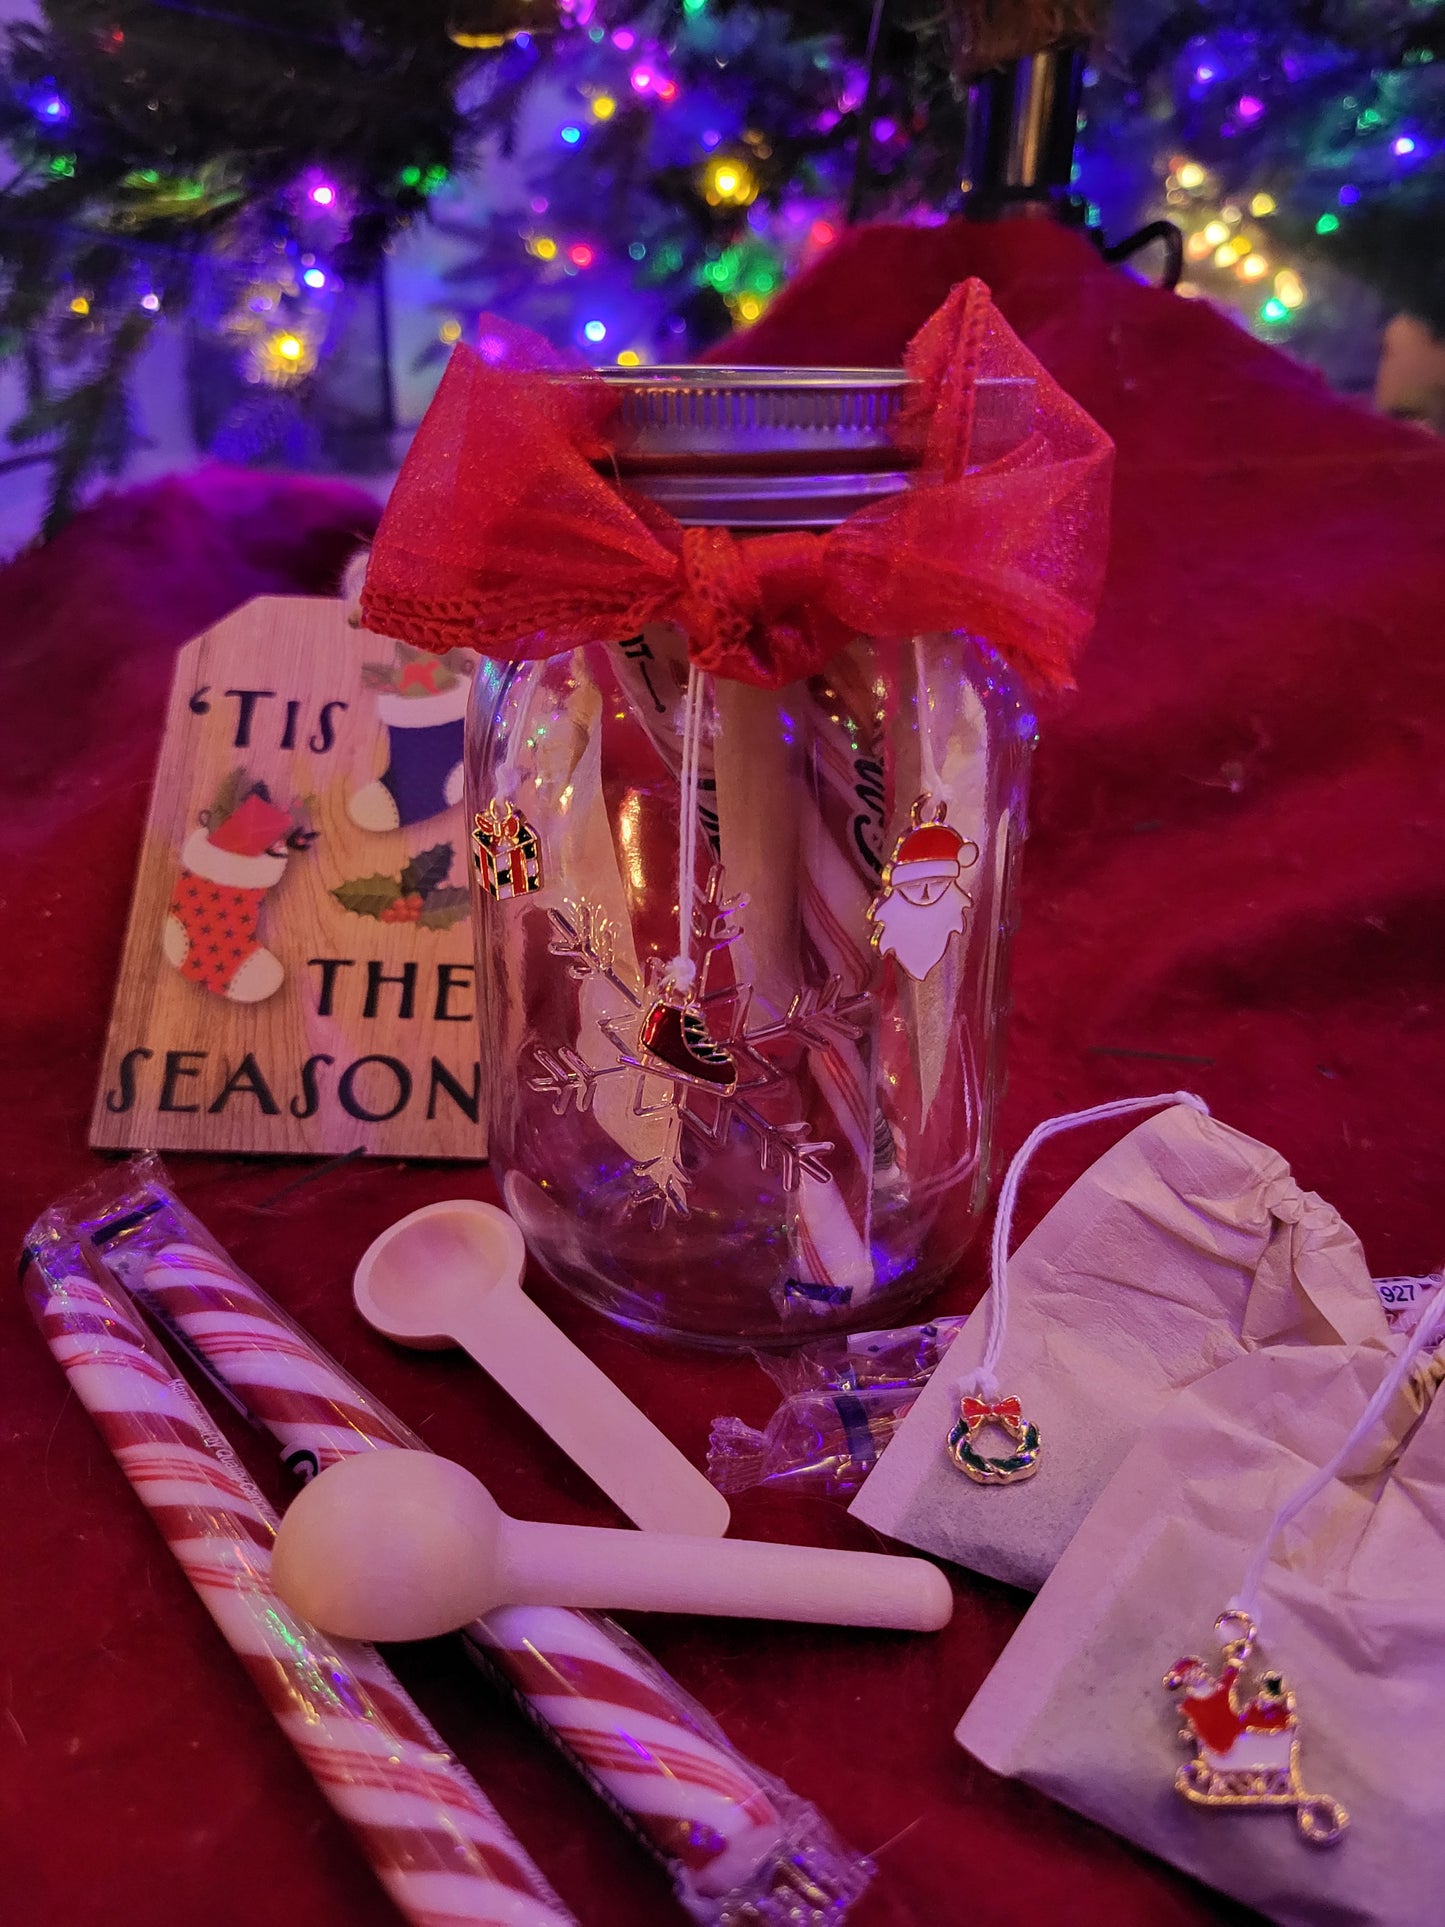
point(796, 1140)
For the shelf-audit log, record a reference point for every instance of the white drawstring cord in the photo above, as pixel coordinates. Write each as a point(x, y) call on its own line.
point(929, 771)
point(681, 973)
point(983, 1382)
point(1427, 1333)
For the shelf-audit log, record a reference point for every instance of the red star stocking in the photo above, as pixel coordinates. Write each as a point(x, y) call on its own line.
point(212, 931)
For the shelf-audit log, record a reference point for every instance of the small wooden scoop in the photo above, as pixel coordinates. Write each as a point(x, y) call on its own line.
point(451, 1274)
point(406, 1545)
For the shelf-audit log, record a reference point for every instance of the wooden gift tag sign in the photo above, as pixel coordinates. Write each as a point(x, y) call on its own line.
point(298, 971)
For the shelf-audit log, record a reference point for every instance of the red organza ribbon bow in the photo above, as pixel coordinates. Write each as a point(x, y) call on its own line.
point(978, 1410)
point(502, 536)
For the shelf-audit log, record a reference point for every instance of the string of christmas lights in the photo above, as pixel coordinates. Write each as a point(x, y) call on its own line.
point(1294, 145)
point(648, 174)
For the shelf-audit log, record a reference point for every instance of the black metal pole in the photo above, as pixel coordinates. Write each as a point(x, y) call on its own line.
point(865, 119)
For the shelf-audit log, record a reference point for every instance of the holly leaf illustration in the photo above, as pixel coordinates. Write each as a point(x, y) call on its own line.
point(426, 871)
point(443, 908)
point(377, 675)
point(367, 896)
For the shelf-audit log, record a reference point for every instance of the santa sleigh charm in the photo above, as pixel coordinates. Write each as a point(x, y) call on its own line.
point(1246, 1752)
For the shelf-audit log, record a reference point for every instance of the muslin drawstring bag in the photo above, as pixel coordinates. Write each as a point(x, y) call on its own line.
point(1300, 1489)
point(1186, 1246)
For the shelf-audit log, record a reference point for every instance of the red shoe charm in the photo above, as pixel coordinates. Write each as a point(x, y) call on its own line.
point(677, 1035)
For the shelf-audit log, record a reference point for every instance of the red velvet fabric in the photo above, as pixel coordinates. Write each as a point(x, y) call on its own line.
point(1234, 884)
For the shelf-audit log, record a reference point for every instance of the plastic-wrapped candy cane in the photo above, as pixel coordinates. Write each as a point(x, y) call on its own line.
point(864, 1361)
point(843, 1398)
point(740, 1847)
point(433, 1838)
point(825, 1442)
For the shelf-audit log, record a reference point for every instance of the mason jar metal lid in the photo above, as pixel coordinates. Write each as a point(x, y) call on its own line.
point(756, 448)
point(698, 410)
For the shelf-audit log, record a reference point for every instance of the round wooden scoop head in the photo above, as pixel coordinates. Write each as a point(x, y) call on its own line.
point(389, 1545)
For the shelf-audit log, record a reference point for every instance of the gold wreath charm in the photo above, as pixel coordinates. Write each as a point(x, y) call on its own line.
point(1007, 1414)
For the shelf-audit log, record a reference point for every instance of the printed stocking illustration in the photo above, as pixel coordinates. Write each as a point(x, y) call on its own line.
point(421, 704)
point(212, 932)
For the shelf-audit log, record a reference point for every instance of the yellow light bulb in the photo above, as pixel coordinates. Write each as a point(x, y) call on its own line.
point(290, 347)
point(1289, 288)
point(450, 331)
point(729, 182)
point(1216, 233)
point(1190, 175)
point(1254, 268)
point(604, 107)
point(1262, 204)
point(1226, 256)
point(749, 307)
point(1197, 246)
point(629, 358)
point(544, 248)
point(80, 305)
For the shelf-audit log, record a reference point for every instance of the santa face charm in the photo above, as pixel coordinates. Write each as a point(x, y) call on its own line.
point(1246, 1752)
point(922, 903)
point(507, 852)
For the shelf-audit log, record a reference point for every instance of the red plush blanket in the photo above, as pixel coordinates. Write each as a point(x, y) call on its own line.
point(1234, 884)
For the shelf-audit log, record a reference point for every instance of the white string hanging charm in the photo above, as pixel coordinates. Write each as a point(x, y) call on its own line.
point(674, 1030)
point(1247, 1749)
point(981, 1401)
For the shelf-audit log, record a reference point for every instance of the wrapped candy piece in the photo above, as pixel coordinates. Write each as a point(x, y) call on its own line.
point(741, 1849)
point(431, 1835)
point(861, 1361)
point(824, 1442)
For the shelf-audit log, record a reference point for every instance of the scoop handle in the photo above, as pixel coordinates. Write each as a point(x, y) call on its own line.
point(581, 1410)
point(546, 1565)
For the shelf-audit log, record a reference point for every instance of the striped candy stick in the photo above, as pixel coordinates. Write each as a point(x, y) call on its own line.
point(262, 1359)
point(434, 1840)
point(631, 1730)
point(834, 1223)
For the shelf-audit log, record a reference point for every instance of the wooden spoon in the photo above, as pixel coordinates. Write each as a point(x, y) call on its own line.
point(406, 1545)
point(451, 1274)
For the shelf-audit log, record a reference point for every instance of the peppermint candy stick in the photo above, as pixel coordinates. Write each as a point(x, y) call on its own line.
point(631, 1730)
point(433, 1839)
point(731, 1837)
point(835, 1220)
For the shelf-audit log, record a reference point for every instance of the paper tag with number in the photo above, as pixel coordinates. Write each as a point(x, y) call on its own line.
point(1405, 1299)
